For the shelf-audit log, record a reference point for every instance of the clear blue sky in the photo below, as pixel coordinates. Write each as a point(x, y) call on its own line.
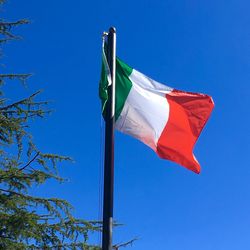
point(199, 46)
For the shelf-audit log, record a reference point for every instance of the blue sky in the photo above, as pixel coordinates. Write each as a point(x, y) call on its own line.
point(199, 46)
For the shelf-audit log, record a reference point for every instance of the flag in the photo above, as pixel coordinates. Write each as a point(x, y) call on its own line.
point(167, 120)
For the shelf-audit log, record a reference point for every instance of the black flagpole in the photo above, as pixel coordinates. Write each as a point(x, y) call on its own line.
point(109, 146)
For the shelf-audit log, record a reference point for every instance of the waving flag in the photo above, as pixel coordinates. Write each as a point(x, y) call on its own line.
point(167, 120)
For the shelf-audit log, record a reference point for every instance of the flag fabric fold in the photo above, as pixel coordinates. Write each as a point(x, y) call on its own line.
point(167, 120)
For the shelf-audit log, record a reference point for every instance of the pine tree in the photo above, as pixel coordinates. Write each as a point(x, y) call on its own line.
point(27, 221)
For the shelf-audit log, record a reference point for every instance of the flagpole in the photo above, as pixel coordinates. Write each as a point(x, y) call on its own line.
point(109, 146)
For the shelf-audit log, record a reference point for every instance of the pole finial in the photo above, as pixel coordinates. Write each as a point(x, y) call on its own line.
point(112, 29)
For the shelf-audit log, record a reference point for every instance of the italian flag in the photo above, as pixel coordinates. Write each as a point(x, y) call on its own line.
point(167, 120)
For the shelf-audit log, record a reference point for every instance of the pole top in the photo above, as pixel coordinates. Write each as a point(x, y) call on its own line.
point(112, 30)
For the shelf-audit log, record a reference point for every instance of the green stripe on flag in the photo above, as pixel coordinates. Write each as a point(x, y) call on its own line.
point(103, 87)
point(123, 86)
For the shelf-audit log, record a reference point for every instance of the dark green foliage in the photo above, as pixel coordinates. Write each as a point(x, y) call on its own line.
point(27, 221)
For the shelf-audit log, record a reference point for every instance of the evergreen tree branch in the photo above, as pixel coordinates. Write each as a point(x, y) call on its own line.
point(13, 76)
point(15, 23)
point(28, 164)
point(21, 102)
point(117, 246)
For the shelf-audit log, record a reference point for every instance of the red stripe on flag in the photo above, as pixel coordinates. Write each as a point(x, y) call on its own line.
point(188, 114)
